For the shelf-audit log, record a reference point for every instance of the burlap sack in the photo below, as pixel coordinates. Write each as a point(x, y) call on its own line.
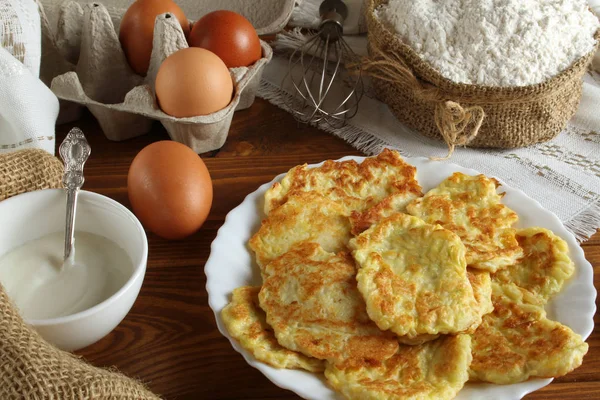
point(31, 368)
point(27, 170)
point(461, 114)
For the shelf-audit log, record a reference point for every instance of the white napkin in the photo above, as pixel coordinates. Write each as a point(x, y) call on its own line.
point(28, 109)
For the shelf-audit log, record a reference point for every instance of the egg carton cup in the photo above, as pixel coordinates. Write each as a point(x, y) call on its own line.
point(123, 102)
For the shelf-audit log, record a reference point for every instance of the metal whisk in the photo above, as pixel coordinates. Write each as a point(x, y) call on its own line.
point(317, 64)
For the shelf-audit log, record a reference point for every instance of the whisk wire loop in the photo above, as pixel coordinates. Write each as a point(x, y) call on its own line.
point(322, 89)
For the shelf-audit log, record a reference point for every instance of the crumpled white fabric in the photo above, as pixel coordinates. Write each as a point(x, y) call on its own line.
point(28, 109)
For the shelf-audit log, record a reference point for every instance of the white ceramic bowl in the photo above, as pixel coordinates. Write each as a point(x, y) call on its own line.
point(32, 215)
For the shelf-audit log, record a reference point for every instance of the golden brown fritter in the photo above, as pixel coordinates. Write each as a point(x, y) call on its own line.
point(470, 207)
point(545, 266)
point(357, 186)
point(306, 216)
point(413, 277)
point(517, 342)
point(481, 282)
point(362, 220)
point(245, 321)
point(314, 307)
point(435, 370)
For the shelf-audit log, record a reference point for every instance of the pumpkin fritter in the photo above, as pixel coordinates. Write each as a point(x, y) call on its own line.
point(306, 216)
point(517, 341)
point(245, 321)
point(470, 207)
point(435, 370)
point(413, 277)
point(362, 220)
point(545, 266)
point(481, 282)
point(312, 303)
point(357, 186)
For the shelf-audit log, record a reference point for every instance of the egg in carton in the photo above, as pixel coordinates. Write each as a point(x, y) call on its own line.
point(124, 103)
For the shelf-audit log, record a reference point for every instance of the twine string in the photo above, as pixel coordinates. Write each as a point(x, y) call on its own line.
point(452, 121)
point(458, 125)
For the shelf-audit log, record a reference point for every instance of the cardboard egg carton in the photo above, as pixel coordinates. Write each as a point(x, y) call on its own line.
point(123, 102)
point(267, 16)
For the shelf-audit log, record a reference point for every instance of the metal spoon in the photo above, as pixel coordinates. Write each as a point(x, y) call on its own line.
point(74, 151)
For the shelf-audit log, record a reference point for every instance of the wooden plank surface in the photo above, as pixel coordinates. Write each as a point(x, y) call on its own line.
point(170, 339)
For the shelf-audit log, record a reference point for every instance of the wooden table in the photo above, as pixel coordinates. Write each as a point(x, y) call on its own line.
point(170, 339)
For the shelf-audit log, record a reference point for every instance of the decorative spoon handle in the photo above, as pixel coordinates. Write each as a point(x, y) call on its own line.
point(74, 151)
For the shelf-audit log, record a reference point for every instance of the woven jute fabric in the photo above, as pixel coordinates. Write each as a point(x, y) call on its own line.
point(31, 368)
point(510, 116)
point(28, 170)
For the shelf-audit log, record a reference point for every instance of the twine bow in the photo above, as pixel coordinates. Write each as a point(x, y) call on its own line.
point(452, 120)
point(458, 125)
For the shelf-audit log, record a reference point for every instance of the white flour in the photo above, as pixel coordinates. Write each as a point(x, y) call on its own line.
point(494, 42)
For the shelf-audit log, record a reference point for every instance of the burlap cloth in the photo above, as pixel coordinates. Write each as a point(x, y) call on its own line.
point(461, 114)
point(27, 170)
point(30, 367)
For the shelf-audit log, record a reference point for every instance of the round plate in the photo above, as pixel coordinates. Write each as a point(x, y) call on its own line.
point(231, 265)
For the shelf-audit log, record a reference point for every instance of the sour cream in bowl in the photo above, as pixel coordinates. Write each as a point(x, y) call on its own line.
point(73, 304)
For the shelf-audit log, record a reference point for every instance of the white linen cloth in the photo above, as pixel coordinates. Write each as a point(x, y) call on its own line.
point(28, 109)
point(562, 174)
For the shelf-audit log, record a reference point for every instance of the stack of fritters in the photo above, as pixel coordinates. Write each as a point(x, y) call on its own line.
point(516, 341)
point(470, 207)
point(399, 295)
point(413, 277)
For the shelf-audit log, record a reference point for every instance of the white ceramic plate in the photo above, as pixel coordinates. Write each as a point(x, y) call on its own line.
point(231, 265)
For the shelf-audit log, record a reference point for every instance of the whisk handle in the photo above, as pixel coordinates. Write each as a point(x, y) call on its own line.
point(328, 7)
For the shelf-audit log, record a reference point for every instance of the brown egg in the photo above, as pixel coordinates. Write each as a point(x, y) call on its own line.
point(192, 82)
point(170, 189)
point(137, 29)
point(229, 35)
